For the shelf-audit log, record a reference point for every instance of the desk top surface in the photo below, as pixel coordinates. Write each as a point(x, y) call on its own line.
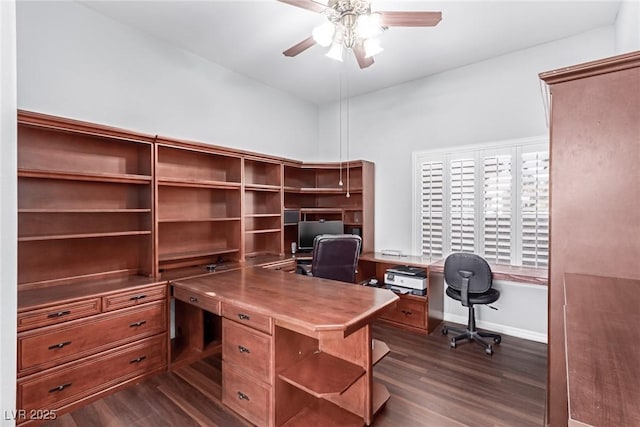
point(300, 302)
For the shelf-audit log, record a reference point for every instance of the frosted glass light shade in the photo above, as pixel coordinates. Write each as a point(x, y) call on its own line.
point(323, 33)
point(372, 47)
point(336, 51)
point(369, 25)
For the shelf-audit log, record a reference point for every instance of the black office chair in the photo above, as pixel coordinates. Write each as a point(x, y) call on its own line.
point(335, 257)
point(469, 281)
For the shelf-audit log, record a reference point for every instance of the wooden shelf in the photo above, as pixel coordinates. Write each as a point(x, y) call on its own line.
point(85, 176)
point(196, 254)
point(84, 210)
point(318, 190)
point(270, 230)
point(324, 413)
point(321, 374)
point(186, 356)
point(380, 396)
point(199, 183)
point(379, 349)
point(263, 215)
point(320, 210)
point(166, 220)
point(262, 187)
point(82, 236)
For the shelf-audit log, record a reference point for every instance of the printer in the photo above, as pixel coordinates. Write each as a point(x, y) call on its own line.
point(404, 279)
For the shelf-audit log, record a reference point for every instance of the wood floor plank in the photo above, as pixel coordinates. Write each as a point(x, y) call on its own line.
point(430, 383)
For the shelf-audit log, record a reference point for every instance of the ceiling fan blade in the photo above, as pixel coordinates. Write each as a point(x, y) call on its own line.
point(411, 19)
point(306, 4)
point(300, 47)
point(359, 53)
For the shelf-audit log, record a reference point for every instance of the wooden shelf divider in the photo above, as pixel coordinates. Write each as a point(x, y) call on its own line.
point(321, 374)
point(379, 349)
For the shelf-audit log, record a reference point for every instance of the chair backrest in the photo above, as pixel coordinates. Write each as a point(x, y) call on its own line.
point(459, 266)
point(335, 256)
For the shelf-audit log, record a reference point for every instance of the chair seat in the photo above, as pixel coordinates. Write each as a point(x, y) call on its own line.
point(488, 297)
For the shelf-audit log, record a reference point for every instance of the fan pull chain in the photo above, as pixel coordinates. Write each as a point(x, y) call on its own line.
point(340, 127)
point(348, 132)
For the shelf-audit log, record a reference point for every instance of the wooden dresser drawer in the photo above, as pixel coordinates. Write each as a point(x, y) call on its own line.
point(249, 398)
point(58, 344)
point(247, 317)
point(133, 298)
point(57, 314)
point(62, 385)
point(205, 302)
point(409, 311)
point(248, 349)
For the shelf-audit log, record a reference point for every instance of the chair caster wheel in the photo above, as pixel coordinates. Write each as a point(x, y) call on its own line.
point(497, 340)
point(489, 350)
point(445, 331)
point(452, 343)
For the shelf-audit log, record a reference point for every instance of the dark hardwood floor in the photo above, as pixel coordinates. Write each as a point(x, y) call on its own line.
point(430, 385)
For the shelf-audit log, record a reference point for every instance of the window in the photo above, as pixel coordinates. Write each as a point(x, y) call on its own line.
point(492, 200)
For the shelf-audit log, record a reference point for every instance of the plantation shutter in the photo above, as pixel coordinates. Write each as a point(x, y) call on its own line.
point(462, 205)
point(535, 209)
point(497, 208)
point(432, 184)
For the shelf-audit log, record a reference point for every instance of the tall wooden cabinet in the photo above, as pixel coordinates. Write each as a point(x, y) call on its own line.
point(595, 192)
point(85, 263)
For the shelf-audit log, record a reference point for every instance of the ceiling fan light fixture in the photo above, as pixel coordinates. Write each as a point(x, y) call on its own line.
point(369, 25)
point(323, 33)
point(336, 51)
point(372, 47)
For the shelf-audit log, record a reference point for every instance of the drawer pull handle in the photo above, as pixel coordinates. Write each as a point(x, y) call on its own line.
point(137, 297)
point(59, 345)
point(193, 299)
point(243, 396)
point(58, 314)
point(136, 324)
point(407, 312)
point(243, 316)
point(138, 359)
point(59, 388)
point(243, 349)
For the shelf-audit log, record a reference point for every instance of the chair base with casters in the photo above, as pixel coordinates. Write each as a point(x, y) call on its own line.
point(469, 281)
point(472, 334)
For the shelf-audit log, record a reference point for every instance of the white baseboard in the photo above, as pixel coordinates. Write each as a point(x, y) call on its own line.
point(501, 329)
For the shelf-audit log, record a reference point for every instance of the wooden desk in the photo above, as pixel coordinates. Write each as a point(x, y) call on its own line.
point(601, 318)
point(511, 273)
point(296, 350)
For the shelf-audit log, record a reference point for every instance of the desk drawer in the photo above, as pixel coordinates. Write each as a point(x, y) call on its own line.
point(58, 344)
point(248, 349)
point(205, 302)
point(65, 384)
point(133, 298)
point(408, 311)
point(247, 397)
point(247, 317)
point(57, 314)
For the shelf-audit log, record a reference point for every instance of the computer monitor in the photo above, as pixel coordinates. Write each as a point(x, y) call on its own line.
point(308, 230)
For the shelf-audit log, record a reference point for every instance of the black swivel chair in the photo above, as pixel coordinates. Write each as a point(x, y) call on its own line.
point(469, 281)
point(335, 257)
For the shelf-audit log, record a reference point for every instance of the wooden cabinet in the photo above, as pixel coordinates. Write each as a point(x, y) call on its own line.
point(247, 357)
point(78, 350)
point(262, 207)
point(84, 199)
point(422, 314)
point(314, 191)
point(199, 206)
point(595, 191)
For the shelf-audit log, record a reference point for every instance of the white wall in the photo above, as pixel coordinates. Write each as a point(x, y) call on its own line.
point(8, 211)
point(77, 63)
point(628, 26)
point(494, 100)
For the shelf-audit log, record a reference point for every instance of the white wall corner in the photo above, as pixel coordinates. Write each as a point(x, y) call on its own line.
point(8, 213)
point(628, 26)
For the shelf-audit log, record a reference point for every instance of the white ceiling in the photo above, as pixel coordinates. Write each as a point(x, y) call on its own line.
point(248, 37)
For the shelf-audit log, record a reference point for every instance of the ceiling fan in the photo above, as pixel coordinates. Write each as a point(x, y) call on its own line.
point(352, 25)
